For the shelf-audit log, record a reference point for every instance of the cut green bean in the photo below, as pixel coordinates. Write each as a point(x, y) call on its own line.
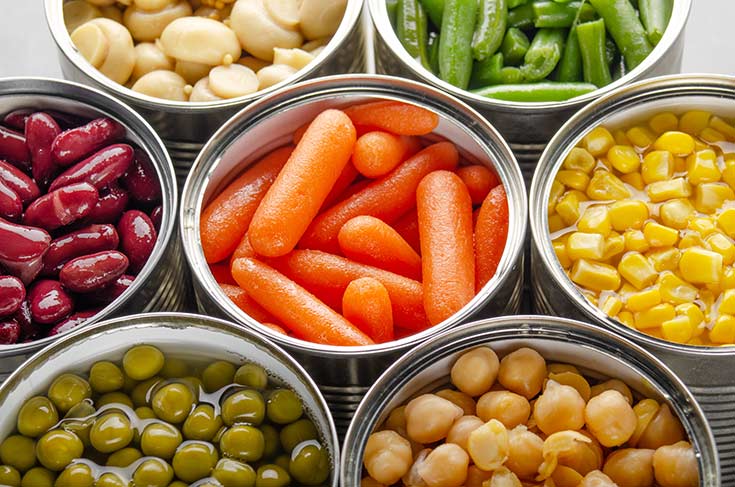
point(392, 7)
point(546, 91)
point(543, 55)
point(435, 10)
point(491, 23)
point(516, 3)
point(514, 47)
point(455, 51)
point(434, 52)
point(621, 20)
point(611, 50)
point(548, 14)
point(570, 65)
point(591, 37)
point(412, 30)
point(655, 15)
point(487, 72)
point(521, 17)
point(618, 68)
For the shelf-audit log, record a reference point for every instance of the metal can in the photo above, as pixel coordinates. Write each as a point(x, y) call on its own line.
point(526, 126)
point(344, 373)
point(599, 353)
point(183, 126)
point(163, 282)
point(707, 371)
point(188, 336)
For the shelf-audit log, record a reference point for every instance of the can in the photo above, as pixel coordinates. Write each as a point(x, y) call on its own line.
point(183, 126)
point(163, 282)
point(706, 370)
point(598, 352)
point(181, 334)
point(526, 126)
point(344, 373)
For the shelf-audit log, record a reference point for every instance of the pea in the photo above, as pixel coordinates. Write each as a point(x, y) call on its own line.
point(231, 473)
point(9, 476)
point(284, 406)
point(142, 391)
point(174, 368)
point(81, 411)
point(37, 416)
point(178, 483)
point(272, 441)
point(196, 384)
point(75, 475)
point(129, 384)
point(283, 461)
point(58, 448)
point(111, 432)
point(272, 476)
point(309, 464)
point(106, 377)
point(68, 390)
point(194, 460)
point(243, 442)
point(297, 432)
point(153, 473)
point(38, 477)
point(218, 375)
point(143, 362)
point(18, 452)
point(173, 402)
point(110, 479)
point(160, 440)
point(244, 407)
point(115, 398)
point(123, 458)
point(144, 412)
point(202, 424)
point(252, 375)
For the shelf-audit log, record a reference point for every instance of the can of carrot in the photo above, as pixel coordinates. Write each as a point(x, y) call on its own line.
point(677, 307)
point(338, 217)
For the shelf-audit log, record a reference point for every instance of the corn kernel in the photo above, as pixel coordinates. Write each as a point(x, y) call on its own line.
point(573, 179)
point(556, 223)
point(680, 164)
point(723, 127)
point(595, 219)
point(704, 226)
point(595, 276)
point(628, 214)
point(666, 190)
point(678, 143)
point(728, 175)
point(663, 122)
point(624, 158)
point(658, 235)
point(579, 159)
point(635, 241)
point(674, 290)
point(598, 141)
point(654, 317)
point(626, 318)
point(727, 303)
point(676, 213)
point(692, 312)
point(712, 136)
point(722, 245)
point(643, 300)
point(606, 186)
point(583, 245)
point(700, 266)
point(557, 190)
point(657, 166)
point(665, 259)
point(634, 179)
point(568, 206)
point(641, 137)
point(637, 270)
point(724, 330)
point(726, 221)
point(709, 197)
point(677, 329)
point(691, 239)
point(694, 121)
point(611, 305)
point(621, 138)
point(702, 167)
point(728, 278)
point(614, 245)
point(560, 249)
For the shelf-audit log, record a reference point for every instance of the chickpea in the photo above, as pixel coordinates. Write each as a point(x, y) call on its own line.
point(572, 379)
point(107, 46)
point(148, 25)
point(387, 456)
point(202, 92)
point(445, 466)
point(397, 421)
point(475, 371)
point(613, 384)
point(233, 81)
point(645, 411)
point(507, 407)
point(630, 467)
point(523, 372)
point(78, 12)
point(566, 476)
point(559, 408)
point(557, 368)
point(676, 465)
point(460, 399)
point(274, 74)
point(461, 429)
point(258, 32)
point(556, 445)
point(476, 476)
point(163, 84)
point(321, 18)
point(370, 482)
point(200, 40)
point(489, 445)
point(610, 418)
point(429, 418)
point(412, 477)
point(664, 429)
point(525, 452)
point(582, 457)
point(502, 477)
point(597, 479)
point(148, 58)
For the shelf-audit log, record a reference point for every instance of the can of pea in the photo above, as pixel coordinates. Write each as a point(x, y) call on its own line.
point(657, 109)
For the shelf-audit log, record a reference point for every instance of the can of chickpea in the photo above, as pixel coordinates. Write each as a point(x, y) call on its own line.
point(187, 88)
point(643, 120)
point(516, 358)
point(160, 283)
point(344, 372)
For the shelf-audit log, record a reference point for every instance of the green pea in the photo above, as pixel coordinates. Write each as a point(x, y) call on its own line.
point(244, 443)
point(129, 384)
point(160, 440)
point(284, 406)
point(144, 412)
point(110, 479)
point(141, 393)
point(174, 368)
point(111, 432)
point(106, 377)
point(218, 375)
point(244, 407)
point(272, 441)
point(295, 433)
point(79, 420)
point(195, 460)
point(75, 475)
point(68, 390)
point(309, 464)
point(195, 383)
point(123, 458)
point(37, 416)
point(114, 398)
point(231, 473)
point(58, 448)
point(19, 452)
point(252, 375)
point(38, 477)
point(283, 461)
point(153, 473)
point(178, 483)
point(9, 476)
point(173, 402)
point(272, 476)
point(143, 362)
point(202, 424)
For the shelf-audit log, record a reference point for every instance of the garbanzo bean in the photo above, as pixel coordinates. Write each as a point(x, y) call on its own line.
point(610, 418)
point(559, 408)
point(475, 371)
point(460, 432)
point(476, 476)
point(631, 467)
point(676, 465)
point(460, 399)
point(413, 477)
point(613, 384)
point(523, 372)
point(583, 457)
point(445, 466)
point(370, 482)
point(597, 479)
point(509, 408)
point(148, 25)
point(387, 456)
point(489, 445)
point(429, 418)
point(664, 429)
point(525, 452)
point(200, 40)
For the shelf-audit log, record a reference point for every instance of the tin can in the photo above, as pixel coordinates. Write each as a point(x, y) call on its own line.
point(344, 373)
point(163, 282)
point(708, 371)
point(182, 335)
point(597, 353)
point(183, 126)
point(526, 126)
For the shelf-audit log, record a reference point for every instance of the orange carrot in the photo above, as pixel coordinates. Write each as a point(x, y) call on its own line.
point(299, 310)
point(225, 220)
point(367, 240)
point(241, 299)
point(387, 198)
point(395, 117)
point(275, 328)
point(299, 132)
point(303, 184)
point(345, 179)
point(366, 303)
point(491, 232)
point(378, 153)
point(221, 273)
point(479, 181)
point(408, 227)
point(412, 145)
point(444, 210)
point(243, 249)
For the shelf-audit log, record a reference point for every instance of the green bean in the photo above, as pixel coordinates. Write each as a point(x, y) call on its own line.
point(543, 55)
point(516, 3)
point(487, 72)
point(570, 65)
point(412, 30)
point(514, 47)
point(548, 14)
point(655, 15)
point(591, 37)
point(435, 11)
point(434, 52)
point(618, 69)
point(625, 28)
point(392, 7)
point(521, 17)
point(611, 50)
point(455, 51)
point(491, 22)
point(536, 92)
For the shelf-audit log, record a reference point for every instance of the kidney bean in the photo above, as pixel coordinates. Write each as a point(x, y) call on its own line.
point(113, 290)
point(99, 170)
point(49, 302)
point(141, 179)
point(17, 118)
point(26, 271)
point(11, 206)
point(94, 271)
point(29, 330)
point(113, 201)
point(22, 243)
point(137, 238)
point(68, 120)
point(62, 206)
point(88, 240)
point(19, 182)
point(156, 217)
point(12, 294)
point(9, 332)
point(74, 144)
point(13, 148)
point(40, 131)
point(73, 321)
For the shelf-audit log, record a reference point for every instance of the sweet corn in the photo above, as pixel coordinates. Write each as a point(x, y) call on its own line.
point(700, 266)
point(579, 159)
point(560, 249)
point(658, 235)
point(611, 305)
point(680, 164)
point(666, 190)
point(598, 141)
point(573, 179)
point(637, 270)
point(624, 158)
point(723, 127)
point(694, 121)
point(702, 167)
point(692, 312)
point(557, 190)
point(676, 213)
point(722, 245)
point(709, 197)
point(604, 185)
point(614, 245)
point(643, 300)
point(556, 223)
point(621, 138)
point(595, 219)
point(634, 179)
point(657, 166)
point(664, 259)
point(712, 136)
point(677, 330)
point(568, 206)
point(626, 318)
point(583, 245)
point(703, 226)
point(724, 329)
point(728, 278)
point(663, 122)
point(641, 137)
point(674, 290)
point(628, 214)
point(728, 175)
point(635, 241)
point(691, 239)
point(678, 143)
point(654, 317)
point(595, 276)
point(726, 221)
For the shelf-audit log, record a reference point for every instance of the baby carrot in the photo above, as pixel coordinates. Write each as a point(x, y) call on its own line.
point(241, 299)
point(275, 328)
point(299, 132)
point(444, 210)
point(491, 232)
point(367, 240)
point(378, 153)
point(243, 249)
point(225, 220)
point(366, 304)
point(408, 227)
point(387, 198)
point(300, 311)
point(303, 184)
point(221, 273)
point(394, 116)
point(345, 179)
point(479, 181)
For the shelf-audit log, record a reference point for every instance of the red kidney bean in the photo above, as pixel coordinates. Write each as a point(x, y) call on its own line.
point(137, 238)
point(13, 148)
point(29, 330)
point(22, 243)
point(49, 302)
point(73, 321)
point(17, 118)
point(19, 182)
point(88, 240)
point(156, 217)
point(141, 179)
point(40, 131)
point(113, 290)
point(72, 145)
point(12, 294)
point(11, 206)
point(62, 206)
point(92, 272)
point(99, 170)
point(113, 201)
point(9, 332)
point(26, 271)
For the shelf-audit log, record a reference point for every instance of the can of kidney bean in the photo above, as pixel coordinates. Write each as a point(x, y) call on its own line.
point(184, 126)
point(269, 124)
point(706, 370)
point(162, 282)
point(596, 353)
point(526, 126)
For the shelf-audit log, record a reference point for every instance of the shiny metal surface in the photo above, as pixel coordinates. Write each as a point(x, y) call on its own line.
point(596, 352)
point(708, 371)
point(163, 283)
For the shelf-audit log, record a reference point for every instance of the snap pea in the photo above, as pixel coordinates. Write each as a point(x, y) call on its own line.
point(455, 51)
point(412, 30)
point(491, 23)
point(435, 11)
point(434, 52)
point(516, 3)
point(514, 47)
point(621, 20)
point(543, 55)
point(521, 16)
point(548, 14)
point(546, 91)
point(392, 7)
point(570, 65)
point(591, 37)
point(655, 15)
